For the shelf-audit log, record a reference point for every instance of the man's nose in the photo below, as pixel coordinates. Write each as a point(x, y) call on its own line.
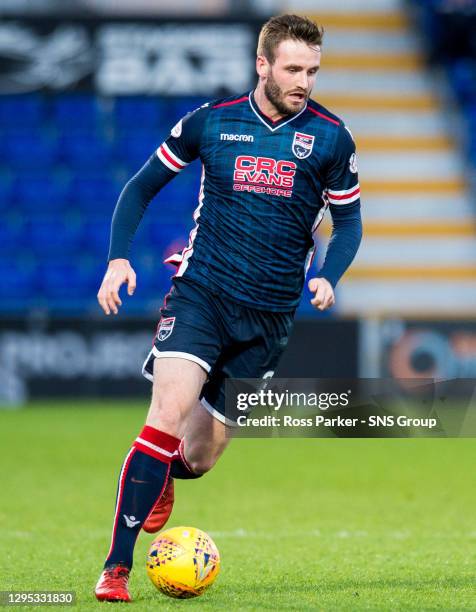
point(303, 81)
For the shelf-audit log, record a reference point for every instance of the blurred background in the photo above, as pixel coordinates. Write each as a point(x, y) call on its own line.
point(90, 88)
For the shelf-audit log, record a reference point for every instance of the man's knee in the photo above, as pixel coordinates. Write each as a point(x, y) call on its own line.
point(201, 465)
point(202, 457)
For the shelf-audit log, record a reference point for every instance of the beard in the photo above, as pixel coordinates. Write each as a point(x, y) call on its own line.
point(276, 96)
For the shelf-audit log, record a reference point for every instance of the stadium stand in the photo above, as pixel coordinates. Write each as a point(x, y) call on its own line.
point(65, 158)
point(63, 163)
point(449, 27)
point(419, 248)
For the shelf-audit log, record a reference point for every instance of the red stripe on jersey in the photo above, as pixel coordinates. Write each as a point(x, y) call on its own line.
point(231, 103)
point(345, 196)
point(170, 159)
point(323, 116)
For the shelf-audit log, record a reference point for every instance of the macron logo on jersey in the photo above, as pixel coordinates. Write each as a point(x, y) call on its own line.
point(237, 137)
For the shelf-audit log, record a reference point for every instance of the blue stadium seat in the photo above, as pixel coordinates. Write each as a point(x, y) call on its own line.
point(6, 193)
point(78, 112)
point(41, 195)
point(135, 148)
point(88, 273)
point(54, 236)
point(95, 238)
point(471, 116)
point(136, 112)
point(83, 149)
point(59, 279)
point(462, 74)
point(23, 111)
point(25, 150)
point(95, 194)
point(85, 152)
point(18, 280)
point(11, 234)
point(58, 189)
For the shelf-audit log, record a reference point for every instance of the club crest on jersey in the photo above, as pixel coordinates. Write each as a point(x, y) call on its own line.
point(302, 145)
point(166, 327)
point(177, 129)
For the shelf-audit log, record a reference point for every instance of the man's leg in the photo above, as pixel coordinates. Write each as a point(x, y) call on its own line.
point(203, 442)
point(177, 386)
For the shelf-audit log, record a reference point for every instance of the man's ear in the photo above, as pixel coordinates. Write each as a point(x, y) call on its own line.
point(262, 66)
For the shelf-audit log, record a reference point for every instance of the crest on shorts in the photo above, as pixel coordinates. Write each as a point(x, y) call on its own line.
point(166, 327)
point(302, 145)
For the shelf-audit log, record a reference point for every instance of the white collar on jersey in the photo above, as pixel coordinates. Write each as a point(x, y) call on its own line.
point(257, 113)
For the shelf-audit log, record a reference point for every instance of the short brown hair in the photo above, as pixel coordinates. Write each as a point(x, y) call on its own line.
point(284, 27)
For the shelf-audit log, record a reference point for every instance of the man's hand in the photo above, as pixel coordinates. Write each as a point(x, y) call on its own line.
point(118, 272)
point(324, 294)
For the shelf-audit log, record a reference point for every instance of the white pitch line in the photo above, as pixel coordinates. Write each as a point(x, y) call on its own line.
point(20, 534)
point(314, 533)
point(342, 534)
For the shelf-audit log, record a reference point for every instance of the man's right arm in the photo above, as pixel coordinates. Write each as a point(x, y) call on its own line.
point(132, 204)
point(173, 155)
point(130, 208)
point(179, 149)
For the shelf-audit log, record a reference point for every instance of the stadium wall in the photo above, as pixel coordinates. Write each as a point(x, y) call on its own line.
point(103, 358)
point(128, 56)
point(47, 358)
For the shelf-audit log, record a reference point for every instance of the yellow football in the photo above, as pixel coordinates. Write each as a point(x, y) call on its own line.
point(183, 562)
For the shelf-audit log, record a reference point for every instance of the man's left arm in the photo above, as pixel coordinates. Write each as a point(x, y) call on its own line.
point(343, 193)
point(343, 246)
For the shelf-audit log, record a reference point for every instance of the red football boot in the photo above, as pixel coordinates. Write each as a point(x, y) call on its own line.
point(112, 584)
point(161, 511)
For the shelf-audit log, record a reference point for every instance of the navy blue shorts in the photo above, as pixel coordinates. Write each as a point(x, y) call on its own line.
point(227, 339)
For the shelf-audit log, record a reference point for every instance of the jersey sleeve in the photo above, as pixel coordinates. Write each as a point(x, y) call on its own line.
point(343, 193)
point(342, 181)
point(183, 144)
point(173, 155)
point(344, 243)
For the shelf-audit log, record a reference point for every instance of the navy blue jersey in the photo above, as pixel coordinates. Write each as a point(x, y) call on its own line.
point(264, 189)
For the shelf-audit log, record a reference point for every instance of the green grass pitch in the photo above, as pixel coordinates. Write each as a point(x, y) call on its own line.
point(301, 524)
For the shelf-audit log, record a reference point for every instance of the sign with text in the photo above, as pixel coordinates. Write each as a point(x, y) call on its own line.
point(103, 357)
point(352, 408)
point(210, 58)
